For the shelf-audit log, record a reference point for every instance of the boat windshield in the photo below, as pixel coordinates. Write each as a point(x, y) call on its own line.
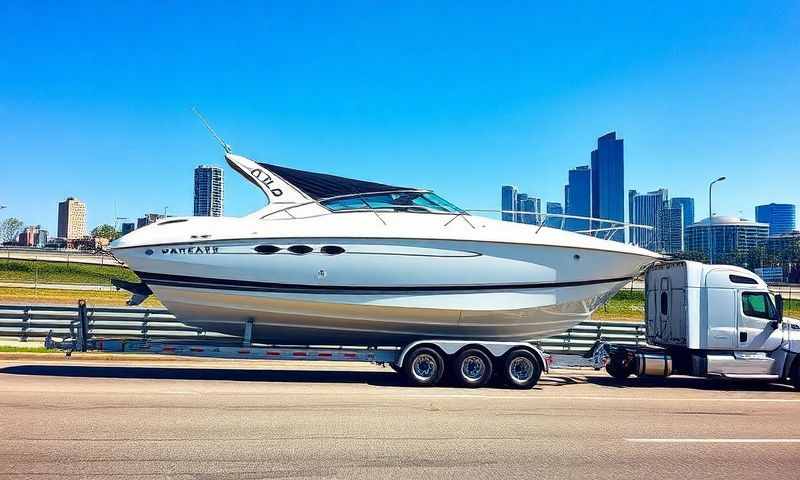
point(412, 201)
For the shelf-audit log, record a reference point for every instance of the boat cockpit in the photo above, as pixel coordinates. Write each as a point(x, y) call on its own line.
point(414, 201)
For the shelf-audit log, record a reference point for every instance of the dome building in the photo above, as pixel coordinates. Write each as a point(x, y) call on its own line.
point(730, 235)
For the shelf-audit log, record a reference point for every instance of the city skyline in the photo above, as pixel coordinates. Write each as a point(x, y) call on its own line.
point(595, 191)
point(457, 100)
point(209, 186)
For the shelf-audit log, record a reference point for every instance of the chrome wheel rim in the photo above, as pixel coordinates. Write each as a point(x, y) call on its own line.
point(521, 369)
point(424, 367)
point(473, 368)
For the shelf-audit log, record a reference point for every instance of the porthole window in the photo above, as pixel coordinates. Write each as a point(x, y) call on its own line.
point(300, 249)
point(331, 250)
point(268, 249)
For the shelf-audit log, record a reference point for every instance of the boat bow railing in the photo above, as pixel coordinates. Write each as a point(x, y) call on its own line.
point(598, 227)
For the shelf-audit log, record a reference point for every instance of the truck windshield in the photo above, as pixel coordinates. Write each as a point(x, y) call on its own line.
point(411, 201)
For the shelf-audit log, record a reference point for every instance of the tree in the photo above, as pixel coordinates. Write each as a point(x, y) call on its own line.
point(691, 255)
point(10, 229)
point(105, 231)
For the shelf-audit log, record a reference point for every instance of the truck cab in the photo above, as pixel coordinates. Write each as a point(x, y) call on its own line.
point(711, 320)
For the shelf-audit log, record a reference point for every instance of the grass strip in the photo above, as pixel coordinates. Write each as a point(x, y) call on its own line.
point(35, 271)
point(32, 296)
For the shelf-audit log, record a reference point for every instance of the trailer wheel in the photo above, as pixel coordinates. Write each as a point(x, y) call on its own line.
point(521, 370)
point(472, 368)
point(423, 367)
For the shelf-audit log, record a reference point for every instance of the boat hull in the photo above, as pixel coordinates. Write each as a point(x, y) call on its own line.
point(314, 319)
point(382, 292)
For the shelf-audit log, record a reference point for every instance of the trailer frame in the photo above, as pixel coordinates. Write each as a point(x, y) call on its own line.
point(397, 357)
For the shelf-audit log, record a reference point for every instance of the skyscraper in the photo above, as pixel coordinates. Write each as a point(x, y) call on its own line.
point(71, 219)
point(687, 204)
point(526, 203)
point(208, 191)
point(779, 216)
point(508, 201)
point(645, 209)
point(670, 229)
point(522, 198)
point(578, 198)
point(554, 208)
point(608, 180)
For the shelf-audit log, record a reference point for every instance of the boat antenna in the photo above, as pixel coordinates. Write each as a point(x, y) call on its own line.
point(225, 146)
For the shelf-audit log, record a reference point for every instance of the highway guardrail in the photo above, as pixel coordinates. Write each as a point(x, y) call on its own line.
point(25, 322)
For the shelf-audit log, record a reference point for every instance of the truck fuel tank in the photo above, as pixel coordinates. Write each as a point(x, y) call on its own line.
point(653, 364)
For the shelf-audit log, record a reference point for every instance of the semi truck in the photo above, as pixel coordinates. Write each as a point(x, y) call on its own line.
point(708, 321)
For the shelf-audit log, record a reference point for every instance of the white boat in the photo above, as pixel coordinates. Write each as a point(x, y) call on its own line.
point(336, 260)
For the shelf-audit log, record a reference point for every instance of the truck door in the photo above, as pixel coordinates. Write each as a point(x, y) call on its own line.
point(720, 312)
point(755, 329)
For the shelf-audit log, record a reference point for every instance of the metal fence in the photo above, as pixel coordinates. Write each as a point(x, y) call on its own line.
point(35, 321)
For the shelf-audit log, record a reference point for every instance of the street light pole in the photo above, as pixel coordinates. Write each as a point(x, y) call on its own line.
point(710, 230)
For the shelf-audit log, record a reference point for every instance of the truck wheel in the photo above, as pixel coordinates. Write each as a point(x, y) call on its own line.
point(423, 367)
point(472, 368)
point(521, 370)
point(618, 369)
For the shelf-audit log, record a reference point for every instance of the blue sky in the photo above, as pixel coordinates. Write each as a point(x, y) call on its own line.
point(95, 98)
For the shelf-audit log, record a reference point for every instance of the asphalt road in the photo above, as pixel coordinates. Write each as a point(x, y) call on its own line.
point(228, 419)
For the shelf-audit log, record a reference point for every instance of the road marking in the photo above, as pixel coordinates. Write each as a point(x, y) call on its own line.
point(534, 397)
point(713, 440)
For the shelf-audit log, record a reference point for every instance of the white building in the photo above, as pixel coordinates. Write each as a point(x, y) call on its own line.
point(72, 219)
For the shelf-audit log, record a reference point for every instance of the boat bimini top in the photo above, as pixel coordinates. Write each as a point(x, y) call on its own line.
point(287, 188)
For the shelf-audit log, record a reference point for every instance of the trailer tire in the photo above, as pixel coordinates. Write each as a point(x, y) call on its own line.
point(472, 368)
point(521, 369)
point(424, 367)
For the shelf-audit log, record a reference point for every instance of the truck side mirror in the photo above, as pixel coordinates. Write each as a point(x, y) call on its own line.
point(779, 308)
